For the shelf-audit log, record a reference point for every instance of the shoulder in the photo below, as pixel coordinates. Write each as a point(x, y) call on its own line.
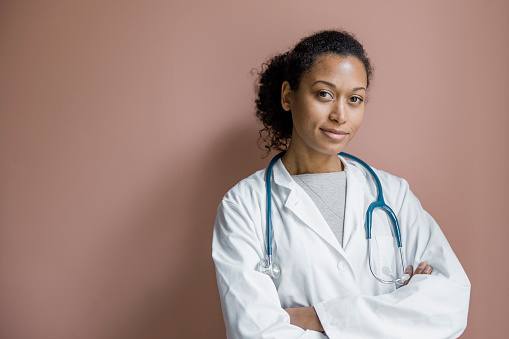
point(242, 207)
point(247, 191)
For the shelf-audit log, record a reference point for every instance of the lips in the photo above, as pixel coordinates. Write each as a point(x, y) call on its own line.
point(335, 134)
point(332, 130)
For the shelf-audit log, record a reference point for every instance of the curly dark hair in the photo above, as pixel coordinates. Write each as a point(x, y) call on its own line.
point(291, 66)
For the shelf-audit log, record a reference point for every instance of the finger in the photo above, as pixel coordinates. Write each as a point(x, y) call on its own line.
point(420, 268)
point(409, 270)
point(428, 270)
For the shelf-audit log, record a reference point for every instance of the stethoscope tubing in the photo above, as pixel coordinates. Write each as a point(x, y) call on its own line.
point(378, 203)
point(269, 204)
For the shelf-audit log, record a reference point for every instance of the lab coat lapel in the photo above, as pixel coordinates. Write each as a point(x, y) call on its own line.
point(357, 202)
point(300, 204)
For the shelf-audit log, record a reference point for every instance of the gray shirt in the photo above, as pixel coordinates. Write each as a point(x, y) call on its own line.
point(328, 192)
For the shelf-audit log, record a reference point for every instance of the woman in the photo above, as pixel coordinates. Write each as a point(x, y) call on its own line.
point(311, 103)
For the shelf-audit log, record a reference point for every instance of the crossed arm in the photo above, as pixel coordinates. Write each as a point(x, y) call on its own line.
point(307, 319)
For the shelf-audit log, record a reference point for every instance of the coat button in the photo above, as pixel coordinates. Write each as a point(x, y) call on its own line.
point(342, 266)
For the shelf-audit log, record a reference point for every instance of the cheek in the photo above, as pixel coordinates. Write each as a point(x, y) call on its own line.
point(300, 123)
point(310, 112)
point(358, 118)
point(301, 116)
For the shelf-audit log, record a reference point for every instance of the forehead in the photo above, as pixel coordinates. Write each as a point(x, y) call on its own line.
point(337, 69)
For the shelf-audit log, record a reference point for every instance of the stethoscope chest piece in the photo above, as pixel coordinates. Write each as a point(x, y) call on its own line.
point(269, 267)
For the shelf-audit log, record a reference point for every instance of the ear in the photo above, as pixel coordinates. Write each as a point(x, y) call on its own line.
point(286, 96)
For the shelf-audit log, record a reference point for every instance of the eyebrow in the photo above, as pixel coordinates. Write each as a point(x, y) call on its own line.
point(334, 86)
point(325, 82)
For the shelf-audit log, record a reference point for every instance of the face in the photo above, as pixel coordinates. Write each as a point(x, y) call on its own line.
point(328, 106)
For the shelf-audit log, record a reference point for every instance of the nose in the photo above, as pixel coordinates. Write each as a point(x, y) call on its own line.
point(339, 112)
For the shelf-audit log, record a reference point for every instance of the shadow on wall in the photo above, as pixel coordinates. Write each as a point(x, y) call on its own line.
point(193, 304)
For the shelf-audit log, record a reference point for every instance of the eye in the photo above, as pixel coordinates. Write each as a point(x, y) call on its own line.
point(356, 100)
point(324, 95)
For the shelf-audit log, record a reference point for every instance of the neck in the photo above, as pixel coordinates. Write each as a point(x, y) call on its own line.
point(304, 163)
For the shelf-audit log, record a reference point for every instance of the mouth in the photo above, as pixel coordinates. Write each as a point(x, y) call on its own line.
point(335, 134)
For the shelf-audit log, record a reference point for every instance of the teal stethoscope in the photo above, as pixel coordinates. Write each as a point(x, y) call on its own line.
point(272, 268)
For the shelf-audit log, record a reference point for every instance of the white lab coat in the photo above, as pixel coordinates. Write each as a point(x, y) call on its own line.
point(317, 271)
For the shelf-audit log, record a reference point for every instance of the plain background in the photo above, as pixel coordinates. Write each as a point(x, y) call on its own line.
point(123, 123)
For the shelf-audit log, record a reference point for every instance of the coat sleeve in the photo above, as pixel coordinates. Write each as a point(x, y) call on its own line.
point(430, 306)
point(250, 303)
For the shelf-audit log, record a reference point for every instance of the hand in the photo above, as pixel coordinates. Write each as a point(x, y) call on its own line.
point(423, 268)
point(305, 318)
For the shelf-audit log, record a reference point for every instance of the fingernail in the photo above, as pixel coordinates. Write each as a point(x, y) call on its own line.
point(427, 270)
point(422, 265)
point(408, 270)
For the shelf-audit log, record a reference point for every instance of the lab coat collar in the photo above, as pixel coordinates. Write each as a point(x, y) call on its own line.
point(311, 216)
point(283, 178)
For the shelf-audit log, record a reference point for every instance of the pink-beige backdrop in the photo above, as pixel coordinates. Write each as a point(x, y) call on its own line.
point(123, 123)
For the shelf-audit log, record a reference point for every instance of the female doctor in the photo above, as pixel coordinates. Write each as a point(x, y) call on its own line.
point(311, 103)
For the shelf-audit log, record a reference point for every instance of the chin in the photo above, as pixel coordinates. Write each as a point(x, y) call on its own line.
point(331, 151)
point(334, 149)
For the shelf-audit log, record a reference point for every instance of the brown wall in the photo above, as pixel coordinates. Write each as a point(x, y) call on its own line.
point(123, 123)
